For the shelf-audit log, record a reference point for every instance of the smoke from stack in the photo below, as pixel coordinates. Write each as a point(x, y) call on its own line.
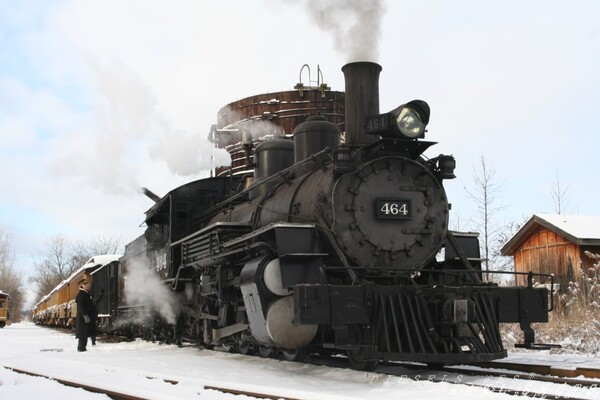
point(355, 25)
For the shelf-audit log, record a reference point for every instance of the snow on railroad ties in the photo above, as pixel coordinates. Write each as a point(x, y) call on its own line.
point(563, 361)
point(148, 370)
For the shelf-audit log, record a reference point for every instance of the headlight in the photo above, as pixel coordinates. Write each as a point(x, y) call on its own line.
point(412, 118)
point(405, 122)
point(409, 123)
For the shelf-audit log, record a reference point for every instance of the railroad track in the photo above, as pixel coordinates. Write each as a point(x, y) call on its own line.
point(517, 384)
point(116, 395)
point(501, 383)
point(528, 375)
point(71, 383)
point(543, 369)
point(541, 373)
point(561, 387)
point(528, 384)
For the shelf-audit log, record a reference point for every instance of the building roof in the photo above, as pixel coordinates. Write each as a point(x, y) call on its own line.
point(579, 229)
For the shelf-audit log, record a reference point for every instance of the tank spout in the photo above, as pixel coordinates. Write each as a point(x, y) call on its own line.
point(151, 195)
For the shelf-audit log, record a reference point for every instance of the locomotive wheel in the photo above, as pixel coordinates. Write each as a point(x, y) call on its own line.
point(265, 351)
point(357, 361)
point(357, 356)
point(245, 348)
point(294, 355)
point(226, 348)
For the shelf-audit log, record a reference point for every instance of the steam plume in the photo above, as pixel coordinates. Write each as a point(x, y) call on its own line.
point(143, 287)
point(354, 24)
point(127, 127)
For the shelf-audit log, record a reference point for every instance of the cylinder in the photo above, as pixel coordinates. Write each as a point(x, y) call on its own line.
point(281, 328)
point(362, 99)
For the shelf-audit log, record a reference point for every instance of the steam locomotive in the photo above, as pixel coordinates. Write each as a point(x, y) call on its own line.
point(330, 246)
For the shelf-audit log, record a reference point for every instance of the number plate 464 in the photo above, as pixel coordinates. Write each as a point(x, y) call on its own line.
point(393, 209)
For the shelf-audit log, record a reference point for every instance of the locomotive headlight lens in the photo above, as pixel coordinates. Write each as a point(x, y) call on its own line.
point(405, 122)
point(411, 119)
point(410, 124)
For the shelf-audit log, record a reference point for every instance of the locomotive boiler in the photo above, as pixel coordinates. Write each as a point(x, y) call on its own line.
point(335, 246)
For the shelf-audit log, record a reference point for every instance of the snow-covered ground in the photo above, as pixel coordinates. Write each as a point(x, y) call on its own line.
point(143, 369)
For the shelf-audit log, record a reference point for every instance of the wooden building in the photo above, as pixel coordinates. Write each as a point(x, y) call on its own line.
point(555, 244)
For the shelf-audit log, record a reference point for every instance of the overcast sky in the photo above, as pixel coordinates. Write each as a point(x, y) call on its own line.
point(98, 98)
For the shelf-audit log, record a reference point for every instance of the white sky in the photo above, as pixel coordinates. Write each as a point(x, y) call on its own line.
point(89, 92)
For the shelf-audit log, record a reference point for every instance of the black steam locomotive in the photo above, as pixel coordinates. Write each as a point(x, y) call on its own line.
point(335, 248)
point(329, 247)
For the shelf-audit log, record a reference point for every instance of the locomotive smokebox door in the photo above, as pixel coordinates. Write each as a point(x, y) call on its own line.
point(392, 213)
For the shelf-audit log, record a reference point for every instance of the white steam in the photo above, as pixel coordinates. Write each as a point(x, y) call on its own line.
point(186, 154)
point(251, 127)
point(261, 128)
point(127, 131)
point(143, 287)
point(355, 25)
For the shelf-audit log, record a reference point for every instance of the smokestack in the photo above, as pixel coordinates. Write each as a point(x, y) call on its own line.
point(362, 99)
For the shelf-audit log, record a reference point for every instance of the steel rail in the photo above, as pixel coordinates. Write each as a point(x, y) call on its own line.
point(115, 395)
point(90, 388)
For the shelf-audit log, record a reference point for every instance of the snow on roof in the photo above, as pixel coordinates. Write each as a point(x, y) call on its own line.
point(4, 294)
point(96, 261)
point(579, 226)
point(104, 259)
point(580, 229)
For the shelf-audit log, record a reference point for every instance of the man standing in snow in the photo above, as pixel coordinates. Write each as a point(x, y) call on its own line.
point(85, 324)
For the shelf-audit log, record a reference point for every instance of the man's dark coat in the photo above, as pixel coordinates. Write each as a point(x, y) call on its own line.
point(85, 306)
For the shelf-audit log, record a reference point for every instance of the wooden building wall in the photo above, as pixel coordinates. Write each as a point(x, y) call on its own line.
point(547, 252)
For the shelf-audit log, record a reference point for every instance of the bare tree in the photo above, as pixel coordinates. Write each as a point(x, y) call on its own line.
point(62, 258)
point(561, 195)
point(505, 263)
point(81, 252)
point(456, 221)
point(54, 267)
point(485, 193)
point(10, 281)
